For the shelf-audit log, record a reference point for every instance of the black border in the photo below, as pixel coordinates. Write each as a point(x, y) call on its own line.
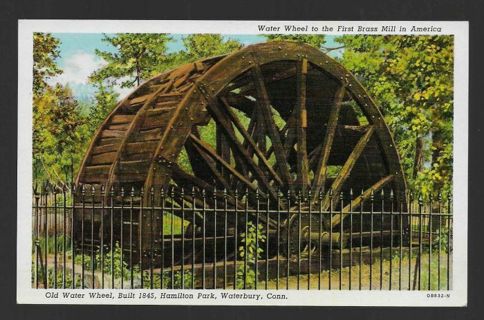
point(12, 10)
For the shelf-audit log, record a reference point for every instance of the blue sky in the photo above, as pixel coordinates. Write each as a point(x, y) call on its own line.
point(78, 59)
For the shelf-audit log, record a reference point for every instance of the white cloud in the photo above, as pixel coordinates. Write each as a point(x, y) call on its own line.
point(76, 71)
point(78, 67)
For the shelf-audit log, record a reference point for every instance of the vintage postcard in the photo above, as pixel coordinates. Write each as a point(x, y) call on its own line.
point(242, 163)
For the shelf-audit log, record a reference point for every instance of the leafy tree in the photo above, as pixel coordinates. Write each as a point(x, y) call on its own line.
point(104, 102)
point(57, 133)
point(136, 59)
point(314, 40)
point(206, 45)
point(45, 52)
point(412, 81)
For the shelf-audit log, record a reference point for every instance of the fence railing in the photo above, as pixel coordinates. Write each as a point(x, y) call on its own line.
point(206, 239)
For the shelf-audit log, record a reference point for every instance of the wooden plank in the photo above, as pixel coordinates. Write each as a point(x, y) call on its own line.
point(104, 149)
point(148, 135)
point(140, 147)
point(93, 170)
point(154, 122)
point(322, 166)
point(356, 203)
point(103, 158)
point(135, 166)
point(107, 141)
point(159, 111)
point(118, 127)
point(96, 178)
point(302, 154)
point(131, 177)
point(121, 118)
point(270, 126)
point(140, 99)
point(347, 167)
point(112, 133)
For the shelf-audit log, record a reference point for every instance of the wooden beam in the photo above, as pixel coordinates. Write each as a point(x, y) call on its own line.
point(302, 123)
point(208, 149)
point(212, 166)
point(322, 167)
point(251, 142)
point(356, 203)
point(271, 129)
point(221, 118)
point(347, 167)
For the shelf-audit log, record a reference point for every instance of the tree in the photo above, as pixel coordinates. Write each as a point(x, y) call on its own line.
point(57, 134)
point(104, 102)
point(316, 41)
point(136, 58)
point(206, 45)
point(411, 78)
point(45, 52)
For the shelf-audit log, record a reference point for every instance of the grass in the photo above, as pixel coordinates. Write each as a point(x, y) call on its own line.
point(398, 280)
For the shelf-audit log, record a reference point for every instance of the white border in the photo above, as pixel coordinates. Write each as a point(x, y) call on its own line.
point(458, 296)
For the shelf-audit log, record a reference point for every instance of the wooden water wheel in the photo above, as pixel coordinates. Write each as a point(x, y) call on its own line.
point(271, 116)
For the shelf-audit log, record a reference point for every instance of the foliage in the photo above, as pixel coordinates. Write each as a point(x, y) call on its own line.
point(442, 239)
point(412, 81)
point(314, 40)
point(247, 252)
point(57, 133)
point(206, 45)
point(198, 46)
point(104, 102)
point(135, 60)
point(45, 53)
point(178, 280)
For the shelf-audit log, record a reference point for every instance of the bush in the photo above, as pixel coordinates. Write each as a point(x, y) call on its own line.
point(249, 241)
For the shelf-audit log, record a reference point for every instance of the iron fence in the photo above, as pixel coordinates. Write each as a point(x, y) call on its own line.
point(206, 239)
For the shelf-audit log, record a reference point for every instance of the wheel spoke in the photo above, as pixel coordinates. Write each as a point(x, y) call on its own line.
point(347, 167)
point(302, 155)
point(271, 129)
point(211, 164)
point(205, 147)
point(221, 118)
point(251, 142)
point(355, 204)
point(322, 167)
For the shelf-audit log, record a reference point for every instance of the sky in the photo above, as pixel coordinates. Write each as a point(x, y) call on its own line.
point(78, 58)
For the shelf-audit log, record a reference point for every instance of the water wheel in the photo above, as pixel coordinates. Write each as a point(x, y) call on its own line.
point(277, 116)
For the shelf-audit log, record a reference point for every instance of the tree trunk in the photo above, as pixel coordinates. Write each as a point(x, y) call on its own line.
point(418, 161)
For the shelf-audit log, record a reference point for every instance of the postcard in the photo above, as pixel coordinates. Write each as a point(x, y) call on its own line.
point(255, 163)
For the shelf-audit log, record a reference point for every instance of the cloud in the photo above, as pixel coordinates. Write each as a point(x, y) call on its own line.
point(76, 71)
point(78, 67)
